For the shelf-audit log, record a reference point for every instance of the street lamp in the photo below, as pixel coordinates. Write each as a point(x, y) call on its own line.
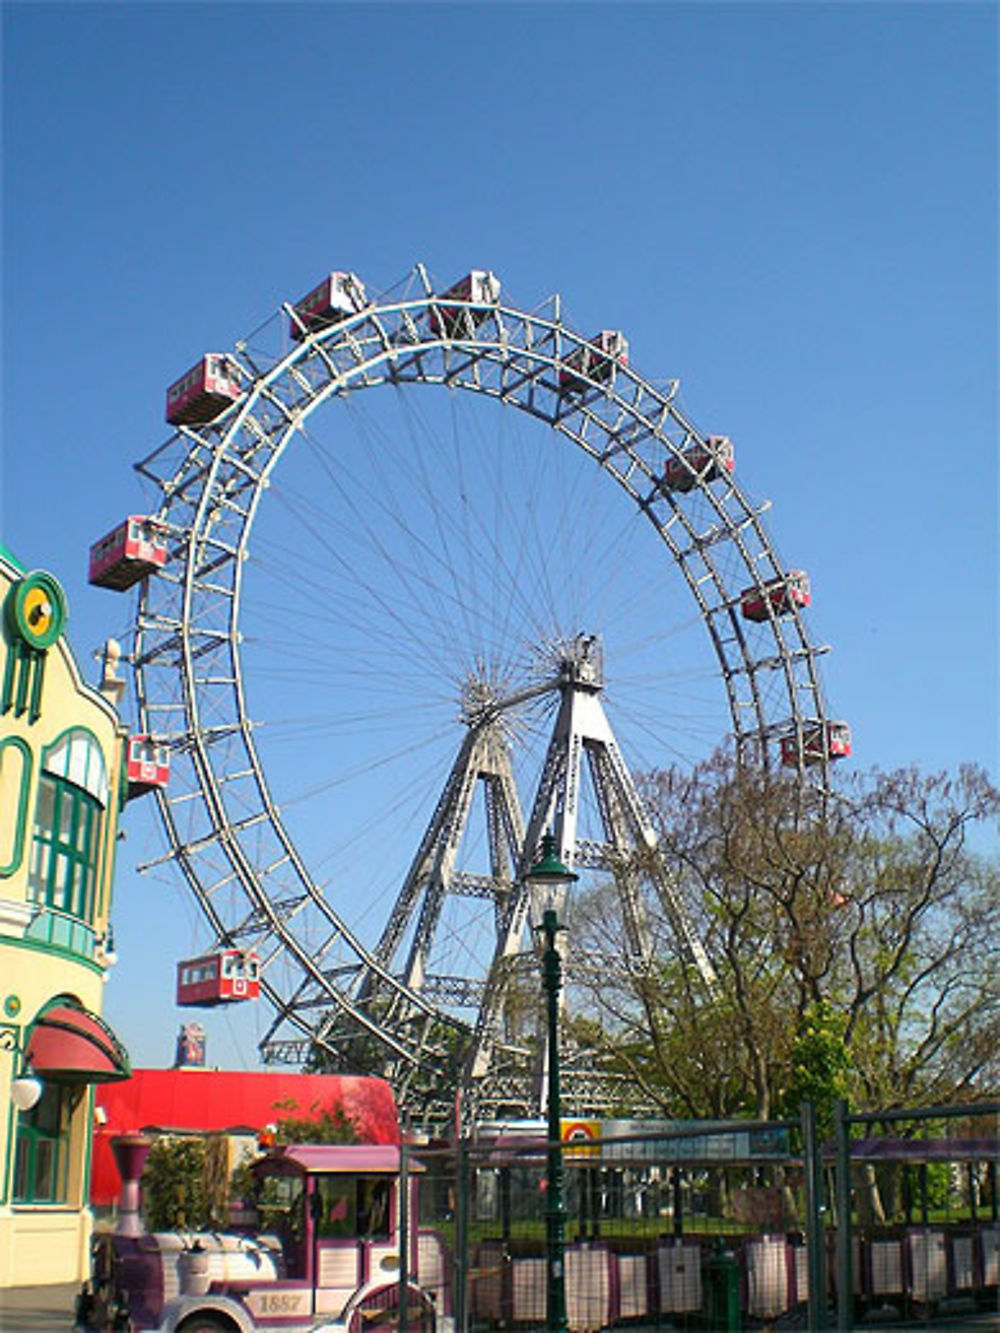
point(551, 875)
point(26, 1091)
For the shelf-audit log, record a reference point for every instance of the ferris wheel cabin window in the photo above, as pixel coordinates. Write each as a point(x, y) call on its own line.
point(69, 816)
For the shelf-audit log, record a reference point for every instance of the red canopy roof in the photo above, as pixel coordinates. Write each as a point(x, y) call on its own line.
point(69, 1044)
point(201, 1100)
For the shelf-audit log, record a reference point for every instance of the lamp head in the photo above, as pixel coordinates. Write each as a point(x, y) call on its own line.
point(550, 870)
point(26, 1091)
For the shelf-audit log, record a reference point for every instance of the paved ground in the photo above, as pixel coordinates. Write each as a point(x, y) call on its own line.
point(50, 1310)
point(37, 1309)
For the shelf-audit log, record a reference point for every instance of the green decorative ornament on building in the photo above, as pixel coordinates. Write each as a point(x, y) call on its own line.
point(36, 610)
point(12, 1006)
point(35, 614)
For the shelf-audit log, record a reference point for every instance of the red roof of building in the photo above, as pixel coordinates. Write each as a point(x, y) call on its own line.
point(200, 1100)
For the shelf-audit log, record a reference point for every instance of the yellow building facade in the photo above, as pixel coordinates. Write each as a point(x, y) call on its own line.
point(62, 785)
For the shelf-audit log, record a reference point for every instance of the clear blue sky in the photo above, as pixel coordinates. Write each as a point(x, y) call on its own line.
point(793, 208)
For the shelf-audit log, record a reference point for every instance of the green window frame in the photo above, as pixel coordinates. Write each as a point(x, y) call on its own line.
point(67, 842)
point(42, 1154)
point(62, 872)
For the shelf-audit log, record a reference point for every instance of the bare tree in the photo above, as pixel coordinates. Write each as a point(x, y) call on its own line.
point(860, 916)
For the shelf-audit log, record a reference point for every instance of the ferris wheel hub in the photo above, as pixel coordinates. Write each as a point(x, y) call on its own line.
point(579, 662)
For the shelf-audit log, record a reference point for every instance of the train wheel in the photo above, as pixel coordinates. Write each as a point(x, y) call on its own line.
point(378, 1312)
point(207, 1323)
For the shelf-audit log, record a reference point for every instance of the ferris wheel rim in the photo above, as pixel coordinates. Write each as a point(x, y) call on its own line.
point(508, 336)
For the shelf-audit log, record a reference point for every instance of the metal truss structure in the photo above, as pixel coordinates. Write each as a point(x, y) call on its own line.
point(350, 1003)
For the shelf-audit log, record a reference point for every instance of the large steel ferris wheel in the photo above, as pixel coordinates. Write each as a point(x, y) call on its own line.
point(382, 1000)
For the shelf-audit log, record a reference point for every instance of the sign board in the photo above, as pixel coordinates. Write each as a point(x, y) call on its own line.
point(653, 1141)
point(583, 1135)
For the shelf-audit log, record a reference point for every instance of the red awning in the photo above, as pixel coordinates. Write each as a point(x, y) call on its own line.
point(69, 1044)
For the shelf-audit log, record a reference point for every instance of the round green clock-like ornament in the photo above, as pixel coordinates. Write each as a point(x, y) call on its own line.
point(36, 610)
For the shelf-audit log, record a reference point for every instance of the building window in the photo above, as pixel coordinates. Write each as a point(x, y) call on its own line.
point(63, 869)
point(72, 794)
point(41, 1165)
point(77, 757)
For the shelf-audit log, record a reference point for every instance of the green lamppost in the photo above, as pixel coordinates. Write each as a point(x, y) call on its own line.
point(550, 874)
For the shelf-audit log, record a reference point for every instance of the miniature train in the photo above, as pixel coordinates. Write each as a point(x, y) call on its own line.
point(330, 1250)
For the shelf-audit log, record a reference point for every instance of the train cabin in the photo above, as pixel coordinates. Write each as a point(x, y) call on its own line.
point(223, 977)
point(779, 597)
point(208, 388)
point(593, 361)
point(816, 743)
point(481, 287)
point(337, 297)
point(147, 766)
point(702, 462)
point(135, 549)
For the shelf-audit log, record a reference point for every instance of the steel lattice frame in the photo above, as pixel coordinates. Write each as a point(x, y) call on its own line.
point(225, 831)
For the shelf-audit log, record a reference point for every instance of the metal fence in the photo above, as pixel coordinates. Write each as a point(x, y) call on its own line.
point(719, 1226)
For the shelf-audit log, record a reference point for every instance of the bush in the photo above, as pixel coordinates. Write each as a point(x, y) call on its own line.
point(175, 1193)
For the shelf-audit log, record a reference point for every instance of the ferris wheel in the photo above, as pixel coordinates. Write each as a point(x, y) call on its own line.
point(468, 618)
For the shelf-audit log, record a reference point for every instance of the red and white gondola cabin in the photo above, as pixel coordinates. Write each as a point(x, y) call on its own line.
point(707, 462)
point(201, 393)
point(133, 550)
point(147, 766)
point(337, 297)
point(479, 286)
point(817, 742)
point(223, 977)
point(595, 360)
point(779, 597)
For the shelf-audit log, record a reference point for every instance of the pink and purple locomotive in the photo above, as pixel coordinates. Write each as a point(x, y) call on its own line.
point(330, 1250)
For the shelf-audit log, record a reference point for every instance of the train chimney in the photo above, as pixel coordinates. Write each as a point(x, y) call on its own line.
point(131, 1151)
